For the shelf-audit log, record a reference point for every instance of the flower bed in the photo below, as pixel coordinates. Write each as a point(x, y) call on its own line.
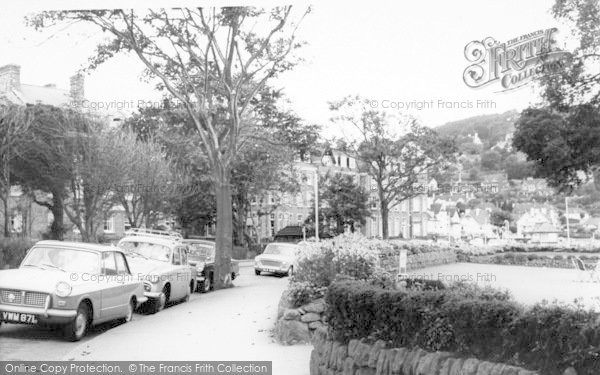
point(530, 260)
point(484, 324)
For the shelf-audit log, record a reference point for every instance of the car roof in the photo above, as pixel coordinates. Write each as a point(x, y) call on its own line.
point(287, 244)
point(158, 240)
point(77, 245)
point(193, 240)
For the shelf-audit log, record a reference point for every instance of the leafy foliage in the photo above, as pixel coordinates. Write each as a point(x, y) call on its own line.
point(474, 322)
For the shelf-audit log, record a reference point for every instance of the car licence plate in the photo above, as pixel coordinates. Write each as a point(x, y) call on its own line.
point(22, 318)
point(269, 270)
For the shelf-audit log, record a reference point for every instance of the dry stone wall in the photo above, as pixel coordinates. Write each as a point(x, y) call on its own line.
point(361, 358)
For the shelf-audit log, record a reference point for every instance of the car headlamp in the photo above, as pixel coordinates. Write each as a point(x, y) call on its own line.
point(62, 289)
point(154, 279)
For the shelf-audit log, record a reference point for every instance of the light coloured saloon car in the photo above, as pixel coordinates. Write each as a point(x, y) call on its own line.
point(279, 258)
point(69, 284)
point(159, 259)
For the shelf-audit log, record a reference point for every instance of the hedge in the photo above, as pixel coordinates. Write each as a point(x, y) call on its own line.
point(13, 250)
point(468, 321)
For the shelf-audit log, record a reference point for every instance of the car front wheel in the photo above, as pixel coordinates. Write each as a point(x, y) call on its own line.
point(76, 329)
point(257, 272)
point(207, 284)
point(160, 303)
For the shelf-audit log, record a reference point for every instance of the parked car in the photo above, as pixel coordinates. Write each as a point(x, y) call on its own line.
point(279, 258)
point(70, 284)
point(201, 255)
point(160, 259)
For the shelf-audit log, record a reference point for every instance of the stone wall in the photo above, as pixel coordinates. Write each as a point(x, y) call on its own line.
point(361, 358)
point(296, 325)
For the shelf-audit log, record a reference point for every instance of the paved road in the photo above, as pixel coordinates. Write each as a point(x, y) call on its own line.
point(233, 324)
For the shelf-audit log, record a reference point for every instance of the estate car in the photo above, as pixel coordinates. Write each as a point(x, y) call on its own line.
point(160, 259)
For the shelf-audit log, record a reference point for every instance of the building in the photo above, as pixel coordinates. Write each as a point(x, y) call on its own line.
point(407, 219)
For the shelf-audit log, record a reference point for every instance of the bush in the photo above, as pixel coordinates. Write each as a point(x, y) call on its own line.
point(335, 257)
point(301, 293)
point(468, 320)
point(13, 250)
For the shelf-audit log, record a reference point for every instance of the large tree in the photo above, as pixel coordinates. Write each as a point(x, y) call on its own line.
point(562, 134)
point(213, 61)
point(45, 165)
point(15, 122)
point(398, 154)
point(565, 147)
point(99, 169)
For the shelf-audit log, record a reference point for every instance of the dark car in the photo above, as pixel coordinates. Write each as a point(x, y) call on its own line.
point(201, 256)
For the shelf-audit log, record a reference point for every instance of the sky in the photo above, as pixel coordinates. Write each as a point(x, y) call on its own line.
point(394, 53)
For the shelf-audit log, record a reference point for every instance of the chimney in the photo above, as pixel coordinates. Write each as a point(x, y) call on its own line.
point(77, 92)
point(10, 77)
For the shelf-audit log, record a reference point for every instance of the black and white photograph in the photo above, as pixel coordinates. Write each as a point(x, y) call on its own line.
point(300, 188)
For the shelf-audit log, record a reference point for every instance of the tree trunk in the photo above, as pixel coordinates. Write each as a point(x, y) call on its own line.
point(385, 213)
point(6, 215)
point(57, 229)
point(241, 224)
point(224, 235)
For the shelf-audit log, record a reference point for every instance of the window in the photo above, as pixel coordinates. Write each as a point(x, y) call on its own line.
point(348, 162)
point(339, 160)
point(122, 268)
point(109, 266)
point(299, 219)
point(109, 224)
point(177, 257)
point(126, 225)
point(184, 256)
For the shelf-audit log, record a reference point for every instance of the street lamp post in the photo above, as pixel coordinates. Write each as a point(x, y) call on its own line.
point(317, 205)
point(567, 217)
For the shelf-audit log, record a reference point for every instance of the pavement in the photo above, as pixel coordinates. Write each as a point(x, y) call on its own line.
point(233, 324)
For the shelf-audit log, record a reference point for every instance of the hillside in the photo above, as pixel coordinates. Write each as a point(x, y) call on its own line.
point(491, 129)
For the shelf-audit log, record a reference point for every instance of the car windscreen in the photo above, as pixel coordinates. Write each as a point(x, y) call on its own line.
point(68, 260)
point(147, 250)
point(280, 249)
point(201, 252)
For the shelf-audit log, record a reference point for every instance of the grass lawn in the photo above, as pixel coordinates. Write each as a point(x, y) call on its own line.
point(527, 284)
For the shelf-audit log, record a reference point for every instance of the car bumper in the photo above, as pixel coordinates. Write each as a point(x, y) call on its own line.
point(142, 299)
point(49, 316)
point(151, 295)
point(272, 269)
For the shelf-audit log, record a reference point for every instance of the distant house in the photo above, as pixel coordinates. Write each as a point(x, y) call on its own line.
point(578, 215)
point(593, 223)
point(542, 233)
point(539, 223)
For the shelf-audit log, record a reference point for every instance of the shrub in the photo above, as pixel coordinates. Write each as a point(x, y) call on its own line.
point(383, 279)
point(13, 250)
point(332, 258)
point(301, 293)
point(476, 322)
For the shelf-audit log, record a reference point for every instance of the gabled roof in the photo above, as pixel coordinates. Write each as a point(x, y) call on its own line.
point(33, 94)
point(543, 228)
